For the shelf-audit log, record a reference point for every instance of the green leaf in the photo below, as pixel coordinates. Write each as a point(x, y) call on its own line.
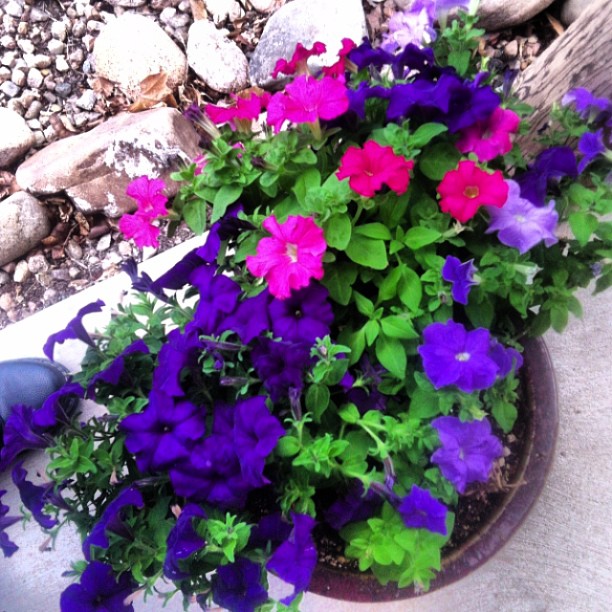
point(583, 225)
point(392, 355)
point(388, 287)
point(338, 231)
point(226, 195)
point(367, 252)
point(349, 413)
point(373, 230)
point(418, 237)
point(460, 60)
point(397, 326)
point(559, 317)
point(424, 404)
point(364, 306)
point(410, 289)
point(371, 330)
point(309, 181)
point(505, 414)
point(339, 282)
point(438, 159)
point(194, 214)
point(425, 134)
point(356, 342)
point(317, 399)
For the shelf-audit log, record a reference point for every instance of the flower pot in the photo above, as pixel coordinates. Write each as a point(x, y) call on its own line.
point(540, 434)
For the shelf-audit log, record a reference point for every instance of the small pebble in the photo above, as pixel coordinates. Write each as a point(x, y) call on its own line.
point(37, 263)
point(104, 243)
point(26, 46)
point(59, 30)
point(56, 47)
point(19, 77)
point(87, 100)
point(4, 278)
point(5, 74)
point(7, 42)
point(49, 296)
point(8, 88)
point(33, 110)
point(511, 49)
point(79, 29)
point(63, 90)
point(22, 272)
point(61, 65)
point(35, 78)
point(6, 302)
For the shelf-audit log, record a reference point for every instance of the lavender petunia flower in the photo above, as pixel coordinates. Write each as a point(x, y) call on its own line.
point(295, 559)
point(182, 542)
point(461, 275)
point(354, 506)
point(468, 450)
point(112, 520)
point(99, 590)
point(20, 434)
point(256, 433)
point(164, 432)
point(304, 316)
point(413, 25)
point(33, 497)
point(521, 224)
point(590, 145)
point(237, 586)
point(454, 356)
point(420, 510)
point(74, 329)
point(8, 547)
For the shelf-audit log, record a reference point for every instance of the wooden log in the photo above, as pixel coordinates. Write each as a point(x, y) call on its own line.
point(580, 57)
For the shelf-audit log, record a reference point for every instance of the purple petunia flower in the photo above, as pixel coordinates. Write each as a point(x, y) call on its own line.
point(413, 25)
point(454, 356)
point(280, 365)
point(506, 358)
point(590, 145)
point(304, 316)
point(142, 282)
point(461, 275)
point(364, 392)
point(74, 329)
point(164, 432)
point(468, 450)
point(550, 164)
point(270, 528)
point(183, 541)
point(586, 104)
point(354, 506)
point(237, 586)
point(99, 590)
point(20, 434)
point(357, 97)
point(112, 373)
point(521, 224)
point(57, 406)
point(250, 318)
point(256, 433)
point(364, 55)
point(33, 497)
point(295, 559)
point(420, 510)
point(8, 547)
point(112, 520)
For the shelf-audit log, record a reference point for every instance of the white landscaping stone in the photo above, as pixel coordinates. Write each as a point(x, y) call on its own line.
point(218, 61)
point(219, 10)
point(94, 168)
point(132, 47)
point(306, 22)
point(499, 14)
point(24, 224)
point(266, 6)
point(16, 137)
point(572, 9)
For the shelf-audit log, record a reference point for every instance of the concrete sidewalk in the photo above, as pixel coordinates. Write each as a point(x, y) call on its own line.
point(558, 561)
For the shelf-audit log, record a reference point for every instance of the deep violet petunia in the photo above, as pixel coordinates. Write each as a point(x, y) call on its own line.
point(507, 359)
point(182, 542)
point(291, 256)
point(372, 166)
point(591, 146)
point(269, 528)
point(468, 450)
point(461, 275)
point(164, 432)
point(464, 190)
point(7, 546)
point(298, 62)
point(112, 519)
point(178, 275)
point(295, 559)
point(142, 282)
point(58, 406)
point(229, 226)
point(358, 97)
point(421, 510)
point(354, 506)
point(363, 391)
point(33, 496)
point(521, 224)
point(99, 591)
point(250, 319)
point(237, 586)
point(365, 55)
point(586, 104)
point(453, 355)
point(74, 329)
point(304, 316)
point(490, 137)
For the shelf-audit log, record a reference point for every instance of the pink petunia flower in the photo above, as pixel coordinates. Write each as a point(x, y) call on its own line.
point(490, 138)
point(200, 162)
point(140, 229)
point(306, 100)
point(291, 257)
point(338, 69)
point(244, 111)
point(148, 193)
point(464, 190)
point(371, 167)
point(297, 64)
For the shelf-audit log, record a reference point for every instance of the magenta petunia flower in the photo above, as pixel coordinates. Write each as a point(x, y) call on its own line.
point(306, 100)
point(244, 110)
point(521, 224)
point(297, 64)
point(148, 193)
point(468, 450)
point(491, 137)
point(291, 257)
point(140, 229)
point(464, 190)
point(369, 168)
point(338, 68)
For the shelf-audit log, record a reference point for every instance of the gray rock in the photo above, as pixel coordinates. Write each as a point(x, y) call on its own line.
point(24, 224)
point(37, 60)
point(13, 8)
point(572, 9)
point(37, 263)
point(63, 90)
point(35, 78)
point(22, 272)
point(266, 6)
point(87, 100)
point(5, 74)
point(59, 30)
point(127, 3)
point(16, 137)
point(306, 21)
point(218, 61)
point(18, 77)
point(95, 168)
point(26, 46)
point(56, 47)
point(499, 14)
point(8, 88)
point(133, 47)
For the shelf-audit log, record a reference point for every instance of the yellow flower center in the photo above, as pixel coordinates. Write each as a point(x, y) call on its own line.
point(471, 191)
point(292, 251)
